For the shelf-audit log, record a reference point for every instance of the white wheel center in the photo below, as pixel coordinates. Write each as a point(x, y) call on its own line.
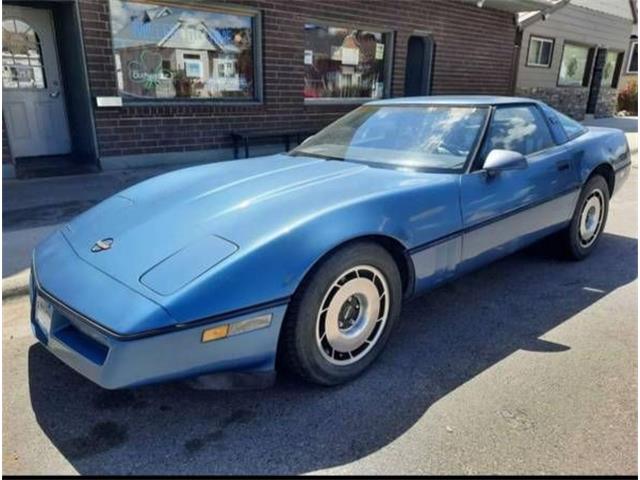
point(353, 314)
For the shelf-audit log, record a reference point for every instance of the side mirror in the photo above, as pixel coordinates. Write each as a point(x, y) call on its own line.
point(500, 160)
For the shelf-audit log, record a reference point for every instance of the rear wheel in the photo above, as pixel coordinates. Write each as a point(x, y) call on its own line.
point(589, 219)
point(339, 321)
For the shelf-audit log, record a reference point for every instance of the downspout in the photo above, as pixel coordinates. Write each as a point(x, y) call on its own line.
point(515, 60)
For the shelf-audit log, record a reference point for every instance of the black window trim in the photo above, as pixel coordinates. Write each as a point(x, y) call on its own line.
point(617, 67)
point(551, 40)
point(634, 44)
point(390, 33)
point(257, 45)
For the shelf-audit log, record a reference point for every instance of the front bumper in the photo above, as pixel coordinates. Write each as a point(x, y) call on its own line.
point(116, 360)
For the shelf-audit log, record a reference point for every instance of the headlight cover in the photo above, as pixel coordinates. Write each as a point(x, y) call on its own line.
point(184, 266)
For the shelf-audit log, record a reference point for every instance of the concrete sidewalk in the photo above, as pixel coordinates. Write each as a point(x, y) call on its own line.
point(33, 208)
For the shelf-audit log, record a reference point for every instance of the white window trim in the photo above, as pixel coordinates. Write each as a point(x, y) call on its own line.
point(633, 44)
point(542, 40)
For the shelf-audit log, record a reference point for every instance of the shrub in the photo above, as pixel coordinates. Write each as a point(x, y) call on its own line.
point(628, 98)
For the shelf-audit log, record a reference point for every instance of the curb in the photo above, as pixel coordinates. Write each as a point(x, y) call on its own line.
point(15, 291)
point(15, 286)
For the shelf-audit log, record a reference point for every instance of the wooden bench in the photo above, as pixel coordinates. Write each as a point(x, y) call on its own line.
point(246, 137)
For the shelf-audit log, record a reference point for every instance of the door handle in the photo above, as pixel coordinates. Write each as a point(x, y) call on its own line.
point(562, 165)
point(55, 94)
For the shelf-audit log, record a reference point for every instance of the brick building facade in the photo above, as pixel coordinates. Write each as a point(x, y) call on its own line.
point(472, 53)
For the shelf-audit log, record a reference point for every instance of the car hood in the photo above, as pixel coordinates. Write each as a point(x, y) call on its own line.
point(199, 216)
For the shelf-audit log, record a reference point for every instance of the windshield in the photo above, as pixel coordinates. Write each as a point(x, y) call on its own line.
point(411, 136)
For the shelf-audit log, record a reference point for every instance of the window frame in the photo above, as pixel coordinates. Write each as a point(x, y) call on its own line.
point(542, 39)
point(590, 62)
point(634, 44)
point(256, 39)
point(390, 34)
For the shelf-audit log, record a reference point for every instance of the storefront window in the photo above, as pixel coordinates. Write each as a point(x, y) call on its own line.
point(181, 52)
point(574, 62)
point(609, 69)
point(344, 63)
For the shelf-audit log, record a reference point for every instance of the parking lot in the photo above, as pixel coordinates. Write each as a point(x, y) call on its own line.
point(528, 366)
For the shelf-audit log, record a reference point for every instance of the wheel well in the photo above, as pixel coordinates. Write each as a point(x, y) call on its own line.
point(398, 253)
point(606, 171)
point(391, 245)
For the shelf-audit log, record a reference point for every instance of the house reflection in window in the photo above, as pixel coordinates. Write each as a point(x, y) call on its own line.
point(173, 52)
point(344, 63)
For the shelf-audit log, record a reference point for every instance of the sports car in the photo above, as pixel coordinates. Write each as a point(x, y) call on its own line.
point(302, 260)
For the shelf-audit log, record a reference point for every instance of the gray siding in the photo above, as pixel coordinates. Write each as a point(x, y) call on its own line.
point(572, 24)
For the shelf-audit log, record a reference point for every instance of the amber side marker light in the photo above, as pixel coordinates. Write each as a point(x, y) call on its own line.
point(230, 329)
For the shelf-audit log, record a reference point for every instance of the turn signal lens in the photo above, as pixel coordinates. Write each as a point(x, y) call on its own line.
point(243, 326)
point(256, 323)
point(215, 333)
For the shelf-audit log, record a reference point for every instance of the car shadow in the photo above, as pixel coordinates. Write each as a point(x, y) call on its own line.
point(444, 339)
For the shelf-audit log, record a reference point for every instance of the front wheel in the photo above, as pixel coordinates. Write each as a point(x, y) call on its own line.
point(589, 219)
point(339, 321)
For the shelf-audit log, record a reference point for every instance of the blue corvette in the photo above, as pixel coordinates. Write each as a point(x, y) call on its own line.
point(302, 260)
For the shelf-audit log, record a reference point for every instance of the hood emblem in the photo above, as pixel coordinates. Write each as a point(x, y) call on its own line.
point(102, 245)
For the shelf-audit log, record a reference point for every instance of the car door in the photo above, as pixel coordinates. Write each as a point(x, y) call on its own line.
point(503, 212)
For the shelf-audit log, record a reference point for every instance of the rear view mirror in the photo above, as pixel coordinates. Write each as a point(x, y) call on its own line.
point(500, 160)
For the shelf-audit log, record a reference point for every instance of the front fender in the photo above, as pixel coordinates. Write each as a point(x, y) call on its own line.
point(603, 147)
point(271, 268)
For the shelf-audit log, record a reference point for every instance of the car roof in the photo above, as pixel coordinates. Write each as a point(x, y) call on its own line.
point(453, 100)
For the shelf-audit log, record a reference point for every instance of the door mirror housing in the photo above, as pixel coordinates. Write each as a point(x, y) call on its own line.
point(500, 160)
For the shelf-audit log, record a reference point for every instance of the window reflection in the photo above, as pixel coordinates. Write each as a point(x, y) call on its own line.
point(173, 52)
point(520, 129)
point(343, 63)
point(435, 137)
point(21, 56)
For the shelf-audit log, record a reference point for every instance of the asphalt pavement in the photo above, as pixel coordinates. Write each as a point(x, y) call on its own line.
point(528, 366)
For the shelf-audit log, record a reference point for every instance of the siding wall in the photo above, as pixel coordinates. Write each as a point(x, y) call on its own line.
point(462, 65)
point(573, 24)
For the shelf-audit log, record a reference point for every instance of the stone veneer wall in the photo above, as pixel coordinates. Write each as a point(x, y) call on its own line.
point(571, 101)
point(607, 103)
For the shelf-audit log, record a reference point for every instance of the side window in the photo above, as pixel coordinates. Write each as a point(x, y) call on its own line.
point(572, 128)
point(521, 129)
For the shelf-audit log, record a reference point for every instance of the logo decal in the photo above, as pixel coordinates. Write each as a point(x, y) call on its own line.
point(102, 245)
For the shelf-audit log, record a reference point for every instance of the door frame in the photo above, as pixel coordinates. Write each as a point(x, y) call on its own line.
point(51, 65)
point(65, 11)
point(427, 70)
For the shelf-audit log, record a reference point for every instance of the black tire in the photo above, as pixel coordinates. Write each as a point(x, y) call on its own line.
point(575, 245)
point(300, 346)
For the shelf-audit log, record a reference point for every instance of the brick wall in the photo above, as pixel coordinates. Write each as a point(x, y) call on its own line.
point(473, 55)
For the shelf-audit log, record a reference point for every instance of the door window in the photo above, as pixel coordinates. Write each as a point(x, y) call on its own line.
point(21, 56)
point(520, 129)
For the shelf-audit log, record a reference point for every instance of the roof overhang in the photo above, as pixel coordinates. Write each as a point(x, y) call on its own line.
point(514, 6)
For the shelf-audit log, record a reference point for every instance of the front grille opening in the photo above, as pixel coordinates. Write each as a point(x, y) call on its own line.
point(86, 346)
